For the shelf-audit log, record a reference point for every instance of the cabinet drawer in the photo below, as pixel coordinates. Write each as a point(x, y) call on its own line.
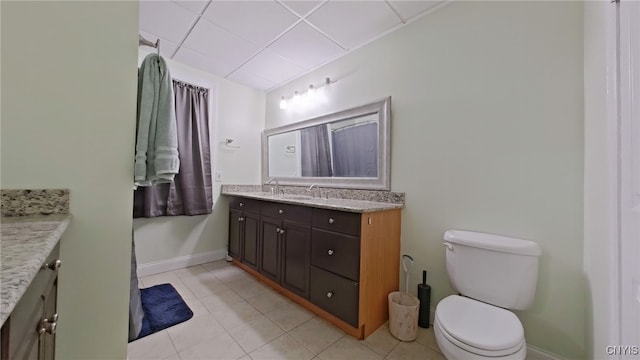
point(339, 221)
point(335, 294)
point(336, 252)
point(299, 214)
point(244, 204)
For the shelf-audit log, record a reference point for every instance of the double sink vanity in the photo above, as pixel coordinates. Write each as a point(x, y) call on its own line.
point(337, 257)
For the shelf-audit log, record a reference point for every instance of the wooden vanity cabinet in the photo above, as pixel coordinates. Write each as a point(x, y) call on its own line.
point(244, 222)
point(286, 245)
point(29, 332)
point(340, 265)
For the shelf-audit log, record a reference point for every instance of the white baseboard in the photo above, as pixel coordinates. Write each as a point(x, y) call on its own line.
point(535, 353)
point(156, 267)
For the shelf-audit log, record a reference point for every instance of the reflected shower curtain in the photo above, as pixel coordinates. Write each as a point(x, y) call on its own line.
point(191, 191)
point(315, 152)
point(355, 151)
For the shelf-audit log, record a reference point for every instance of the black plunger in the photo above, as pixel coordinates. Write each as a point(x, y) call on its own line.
point(424, 295)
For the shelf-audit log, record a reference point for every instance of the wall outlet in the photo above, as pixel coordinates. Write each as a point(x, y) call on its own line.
point(218, 176)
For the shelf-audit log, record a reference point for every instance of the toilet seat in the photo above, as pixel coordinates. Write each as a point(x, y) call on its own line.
point(479, 328)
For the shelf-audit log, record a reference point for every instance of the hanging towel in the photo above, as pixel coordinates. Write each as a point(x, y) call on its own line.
point(156, 159)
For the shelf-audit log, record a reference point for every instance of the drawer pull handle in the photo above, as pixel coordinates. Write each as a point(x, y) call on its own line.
point(331, 221)
point(330, 252)
point(48, 325)
point(280, 211)
point(241, 204)
point(330, 294)
point(52, 266)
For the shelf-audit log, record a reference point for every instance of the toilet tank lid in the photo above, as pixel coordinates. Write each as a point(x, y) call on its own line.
point(493, 242)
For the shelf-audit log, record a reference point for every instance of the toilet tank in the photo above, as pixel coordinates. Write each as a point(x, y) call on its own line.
point(495, 269)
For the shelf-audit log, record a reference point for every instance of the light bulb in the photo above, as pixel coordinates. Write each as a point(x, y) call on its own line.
point(296, 97)
point(283, 104)
point(312, 91)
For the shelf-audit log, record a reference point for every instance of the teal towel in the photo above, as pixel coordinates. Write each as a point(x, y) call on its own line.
point(156, 159)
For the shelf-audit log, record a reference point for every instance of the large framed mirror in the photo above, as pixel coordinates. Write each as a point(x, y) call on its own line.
point(346, 149)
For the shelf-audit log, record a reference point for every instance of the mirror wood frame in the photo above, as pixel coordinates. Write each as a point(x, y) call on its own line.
point(382, 182)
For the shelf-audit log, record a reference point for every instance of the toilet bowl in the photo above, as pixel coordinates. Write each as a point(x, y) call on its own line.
point(467, 329)
point(492, 274)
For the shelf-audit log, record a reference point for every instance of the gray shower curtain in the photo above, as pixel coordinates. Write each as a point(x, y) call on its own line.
point(355, 151)
point(191, 191)
point(315, 152)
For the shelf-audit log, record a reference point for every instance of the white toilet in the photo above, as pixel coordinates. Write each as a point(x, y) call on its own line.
point(492, 273)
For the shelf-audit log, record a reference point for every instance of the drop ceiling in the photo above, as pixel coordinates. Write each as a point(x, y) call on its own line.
point(266, 43)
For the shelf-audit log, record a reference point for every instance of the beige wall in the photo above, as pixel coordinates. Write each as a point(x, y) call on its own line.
point(487, 135)
point(68, 121)
point(237, 113)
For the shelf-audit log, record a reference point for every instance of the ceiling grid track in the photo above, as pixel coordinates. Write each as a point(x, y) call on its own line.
point(301, 19)
point(198, 17)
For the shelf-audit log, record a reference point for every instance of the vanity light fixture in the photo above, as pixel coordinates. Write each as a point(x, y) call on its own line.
point(310, 94)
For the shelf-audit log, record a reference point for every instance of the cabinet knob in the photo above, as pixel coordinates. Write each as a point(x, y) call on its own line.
point(330, 252)
point(48, 325)
point(281, 231)
point(278, 230)
point(241, 204)
point(240, 219)
point(330, 294)
point(280, 211)
point(52, 266)
point(331, 221)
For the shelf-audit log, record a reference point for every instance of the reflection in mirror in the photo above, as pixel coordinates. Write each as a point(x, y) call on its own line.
point(344, 149)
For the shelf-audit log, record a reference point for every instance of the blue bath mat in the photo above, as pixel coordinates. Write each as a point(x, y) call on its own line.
point(163, 307)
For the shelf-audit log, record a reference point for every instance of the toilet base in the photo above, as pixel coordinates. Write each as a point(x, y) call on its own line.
point(453, 352)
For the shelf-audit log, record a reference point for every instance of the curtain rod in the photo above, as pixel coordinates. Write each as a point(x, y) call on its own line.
point(145, 42)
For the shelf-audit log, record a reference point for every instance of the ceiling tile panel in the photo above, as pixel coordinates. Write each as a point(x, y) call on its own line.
point(219, 44)
point(257, 21)
point(306, 47)
point(166, 47)
point(252, 80)
point(352, 23)
point(165, 19)
point(409, 9)
point(272, 67)
point(193, 5)
point(302, 7)
point(202, 62)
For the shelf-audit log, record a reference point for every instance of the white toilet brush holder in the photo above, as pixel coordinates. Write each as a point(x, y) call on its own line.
point(404, 309)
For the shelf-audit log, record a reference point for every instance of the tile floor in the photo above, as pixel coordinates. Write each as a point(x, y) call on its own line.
point(237, 317)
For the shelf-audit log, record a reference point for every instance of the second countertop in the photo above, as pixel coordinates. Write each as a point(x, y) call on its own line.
point(25, 243)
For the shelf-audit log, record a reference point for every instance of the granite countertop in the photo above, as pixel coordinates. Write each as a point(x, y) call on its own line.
point(356, 206)
point(25, 243)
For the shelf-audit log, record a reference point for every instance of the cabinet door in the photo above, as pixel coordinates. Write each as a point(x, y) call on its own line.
point(235, 233)
point(50, 308)
point(250, 240)
point(270, 248)
point(296, 251)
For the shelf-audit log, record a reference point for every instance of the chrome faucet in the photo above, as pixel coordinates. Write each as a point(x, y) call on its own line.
point(313, 194)
point(277, 190)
